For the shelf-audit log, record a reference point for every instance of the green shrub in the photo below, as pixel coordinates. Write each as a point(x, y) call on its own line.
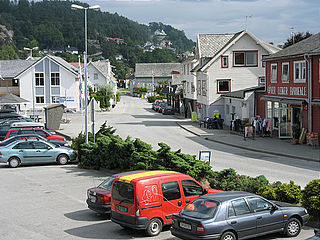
point(267, 192)
point(151, 99)
point(311, 198)
point(289, 193)
point(118, 96)
point(87, 156)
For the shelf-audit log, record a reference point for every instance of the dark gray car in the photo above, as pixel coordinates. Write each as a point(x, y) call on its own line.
point(236, 215)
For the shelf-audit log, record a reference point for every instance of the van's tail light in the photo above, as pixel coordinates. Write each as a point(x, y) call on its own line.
point(200, 229)
point(137, 207)
point(173, 222)
point(105, 200)
point(0, 153)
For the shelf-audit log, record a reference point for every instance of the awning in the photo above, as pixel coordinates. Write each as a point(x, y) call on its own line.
point(283, 99)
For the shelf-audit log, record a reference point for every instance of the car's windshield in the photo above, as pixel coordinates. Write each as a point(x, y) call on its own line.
point(107, 184)
point(201, 208)
point(123, 192)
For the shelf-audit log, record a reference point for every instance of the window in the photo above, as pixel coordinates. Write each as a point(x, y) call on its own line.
point(55, 99)
point(40, 145)
point(124, 192)
point(24, 145)
point(259, 204)
point(262, 81)
point(224, 85)
point(201, 208)
point(231, 212)
point(41, 133)
point(224, 62)
point(39, 77)
point(188, 85)
point(191, 188)
point(95, 76)
point(263, 62)
point(55, 79)
point(285, 72)
point(199, 87)
point(274, 73)
point(269, 110)
point(171, 191)
point(39, 99)
point(204, 88)
point(300, 72)
point(192, 87)
point(15, 82)
point(26, 132)
point(13, 133)
point(245, 59)
point(240, 207)
point(275, 115)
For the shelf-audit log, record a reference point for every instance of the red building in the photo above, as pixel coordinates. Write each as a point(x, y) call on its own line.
point(292, 98)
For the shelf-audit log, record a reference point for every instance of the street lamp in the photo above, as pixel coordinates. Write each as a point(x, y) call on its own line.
point(30, 49)
point(96, 8)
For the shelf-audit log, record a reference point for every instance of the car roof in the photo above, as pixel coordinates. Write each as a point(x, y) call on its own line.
point(228, 195)
point(128, 178)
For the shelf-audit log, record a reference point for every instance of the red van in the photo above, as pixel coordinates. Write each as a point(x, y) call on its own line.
point(147, 200)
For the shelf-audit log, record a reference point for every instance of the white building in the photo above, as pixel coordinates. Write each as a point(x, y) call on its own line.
point(227, 62)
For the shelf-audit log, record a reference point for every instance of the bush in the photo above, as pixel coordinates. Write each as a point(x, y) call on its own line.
point(289, 193)
point(118, 97)
point(311, 198)
point(151, 99)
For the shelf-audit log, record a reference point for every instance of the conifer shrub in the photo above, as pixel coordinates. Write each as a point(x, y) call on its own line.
point(311, 198)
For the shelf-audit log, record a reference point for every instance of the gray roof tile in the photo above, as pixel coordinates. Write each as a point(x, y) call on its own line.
point(12, 68)
point(310, 45)
point(158, 69)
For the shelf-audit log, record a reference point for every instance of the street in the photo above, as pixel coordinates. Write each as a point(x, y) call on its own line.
point(48, 201)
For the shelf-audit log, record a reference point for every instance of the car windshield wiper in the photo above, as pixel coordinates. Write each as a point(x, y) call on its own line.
point(124, 200)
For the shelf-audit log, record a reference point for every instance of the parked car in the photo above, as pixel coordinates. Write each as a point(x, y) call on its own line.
point(147, 200)
point(99, 198)
point(162, 105)
point(168, 110)
point(5, 126)
point(34, 136)
point(157, 105)
point(35, 151)
point(38, 131)
point(236, 215)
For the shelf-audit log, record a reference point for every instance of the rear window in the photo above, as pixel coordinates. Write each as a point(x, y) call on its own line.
point(123, 192)
point(107, 184)
point(201, 208)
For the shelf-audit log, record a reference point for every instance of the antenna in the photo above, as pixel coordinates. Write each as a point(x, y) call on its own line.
point(292, 34)
point(246, 24)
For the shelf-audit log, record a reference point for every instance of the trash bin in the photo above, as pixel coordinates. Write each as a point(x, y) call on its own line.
point(53, 115)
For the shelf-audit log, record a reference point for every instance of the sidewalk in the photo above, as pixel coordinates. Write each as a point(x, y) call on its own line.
point(274, 145)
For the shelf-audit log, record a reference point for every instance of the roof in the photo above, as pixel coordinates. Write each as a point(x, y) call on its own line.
point(158, 69)
point(144, 175)
point(12, 68)
point(102, 66)
point(241, 93)
point(208, 45)
point(311, 46)
point(228, 195)
point(11, 99)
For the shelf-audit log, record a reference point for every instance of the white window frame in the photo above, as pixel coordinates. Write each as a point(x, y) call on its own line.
point(302, 71)
point(40, 97)
point(57, 99)
point(51, 78)
point(35, 79)
point(274, 80)
point(285, 80)
point(223, 80)
point(95, 76)
point(199, 87)
point(204, 87)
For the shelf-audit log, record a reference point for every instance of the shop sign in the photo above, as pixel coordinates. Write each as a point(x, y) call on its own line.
point(288, 91)
point(205, 156)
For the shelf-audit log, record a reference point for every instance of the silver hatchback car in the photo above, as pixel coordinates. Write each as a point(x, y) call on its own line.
point(235, 216)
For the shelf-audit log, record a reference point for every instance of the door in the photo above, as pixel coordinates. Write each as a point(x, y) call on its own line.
point(191, 191)
point(285, 122)
point(241, 219)
point(43, 152)
point(25, 151)
point(172, 200)
point(268, 219)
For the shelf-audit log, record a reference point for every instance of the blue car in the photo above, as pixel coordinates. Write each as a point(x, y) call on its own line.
point(35, 151)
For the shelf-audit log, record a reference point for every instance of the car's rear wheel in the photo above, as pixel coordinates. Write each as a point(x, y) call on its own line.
point(293, 227)
point(228, 236)
point(62, 159)
point(154, 227)
point(14, 162)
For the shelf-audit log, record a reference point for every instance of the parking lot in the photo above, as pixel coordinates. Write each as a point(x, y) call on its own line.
point(48, 202)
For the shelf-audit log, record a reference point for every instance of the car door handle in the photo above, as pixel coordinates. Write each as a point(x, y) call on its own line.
point(188, 200)
point(179, 203)
point(259, 217)
point(233, 222)
point(21, 151)
point(38, 151)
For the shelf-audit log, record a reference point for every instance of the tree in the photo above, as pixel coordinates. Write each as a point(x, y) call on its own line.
point(8, 52)
point(297, 37)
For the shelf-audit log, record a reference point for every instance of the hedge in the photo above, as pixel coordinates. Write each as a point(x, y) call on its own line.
point(112, 152)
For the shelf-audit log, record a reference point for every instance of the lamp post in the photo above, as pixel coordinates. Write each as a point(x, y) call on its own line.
point(78, 7)
point(30, 49)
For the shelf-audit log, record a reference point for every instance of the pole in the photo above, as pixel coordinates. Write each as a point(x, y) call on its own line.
point(33, 107)
point(152, 83)
point(86, 78)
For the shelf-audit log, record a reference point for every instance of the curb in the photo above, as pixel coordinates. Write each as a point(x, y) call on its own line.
point(247, 148)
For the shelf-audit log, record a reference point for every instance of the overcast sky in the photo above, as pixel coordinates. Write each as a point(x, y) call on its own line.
point(269, 20)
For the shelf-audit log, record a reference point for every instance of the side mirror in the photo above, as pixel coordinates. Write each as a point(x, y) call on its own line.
point(273, 207)
point(49, 148)
point(205, 191)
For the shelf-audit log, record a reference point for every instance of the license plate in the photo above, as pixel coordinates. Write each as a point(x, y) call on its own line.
point(92, 198)
point(185, 225)
point(122, 209)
